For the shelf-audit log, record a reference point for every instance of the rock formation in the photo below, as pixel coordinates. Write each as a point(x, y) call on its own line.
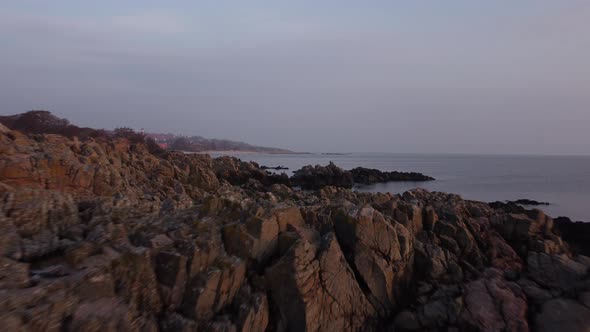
point(367, 176)
point(101, 235)
point(316, 177)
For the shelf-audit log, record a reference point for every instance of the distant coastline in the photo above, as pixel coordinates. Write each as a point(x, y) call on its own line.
point(247, 152)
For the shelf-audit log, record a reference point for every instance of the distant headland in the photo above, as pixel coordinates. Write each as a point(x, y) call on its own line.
point(41, 121)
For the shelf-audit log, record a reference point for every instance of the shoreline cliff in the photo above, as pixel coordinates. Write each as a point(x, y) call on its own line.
point(103, 234)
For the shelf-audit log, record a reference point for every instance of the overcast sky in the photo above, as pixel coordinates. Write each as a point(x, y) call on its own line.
point(364, 76)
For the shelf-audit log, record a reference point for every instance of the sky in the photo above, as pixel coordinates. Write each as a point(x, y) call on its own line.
point(456, 76)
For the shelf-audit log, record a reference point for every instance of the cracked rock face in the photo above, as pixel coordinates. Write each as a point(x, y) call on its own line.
point(101, 235)
point(317, 284)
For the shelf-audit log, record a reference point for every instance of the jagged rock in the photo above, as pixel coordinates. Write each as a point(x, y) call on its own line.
point(289, 217)
point(317, 284)
point(375, 253)
point(172, 274)
point(431, 261)
point(253, 311)
point(211, 290)
point(101, 234)
point(101, 168)
point(529, 231)
point(238, 172)
point(136, 281)
point(257, 238)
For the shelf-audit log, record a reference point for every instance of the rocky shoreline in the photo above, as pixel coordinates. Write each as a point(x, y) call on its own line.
point(104, 235)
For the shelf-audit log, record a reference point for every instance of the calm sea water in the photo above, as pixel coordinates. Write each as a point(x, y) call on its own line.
point(564, 181)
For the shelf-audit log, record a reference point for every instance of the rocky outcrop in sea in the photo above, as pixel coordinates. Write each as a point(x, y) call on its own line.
point(369, 176)
point(102, 235)
point(316, 177)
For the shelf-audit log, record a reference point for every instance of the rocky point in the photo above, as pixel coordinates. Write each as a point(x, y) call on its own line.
point(102, 235)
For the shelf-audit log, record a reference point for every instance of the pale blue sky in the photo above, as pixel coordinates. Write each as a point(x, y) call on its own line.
point(389, 76)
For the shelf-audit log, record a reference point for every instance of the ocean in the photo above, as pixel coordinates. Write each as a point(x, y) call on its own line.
point(563, 181)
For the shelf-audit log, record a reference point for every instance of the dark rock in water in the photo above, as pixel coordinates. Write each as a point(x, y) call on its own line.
point(508, 207)
point(316, 177)
point(525, 201)
point(512, 207)
point(276, 168)
point(310, 177)
point(516, 206)
point(371, 176)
